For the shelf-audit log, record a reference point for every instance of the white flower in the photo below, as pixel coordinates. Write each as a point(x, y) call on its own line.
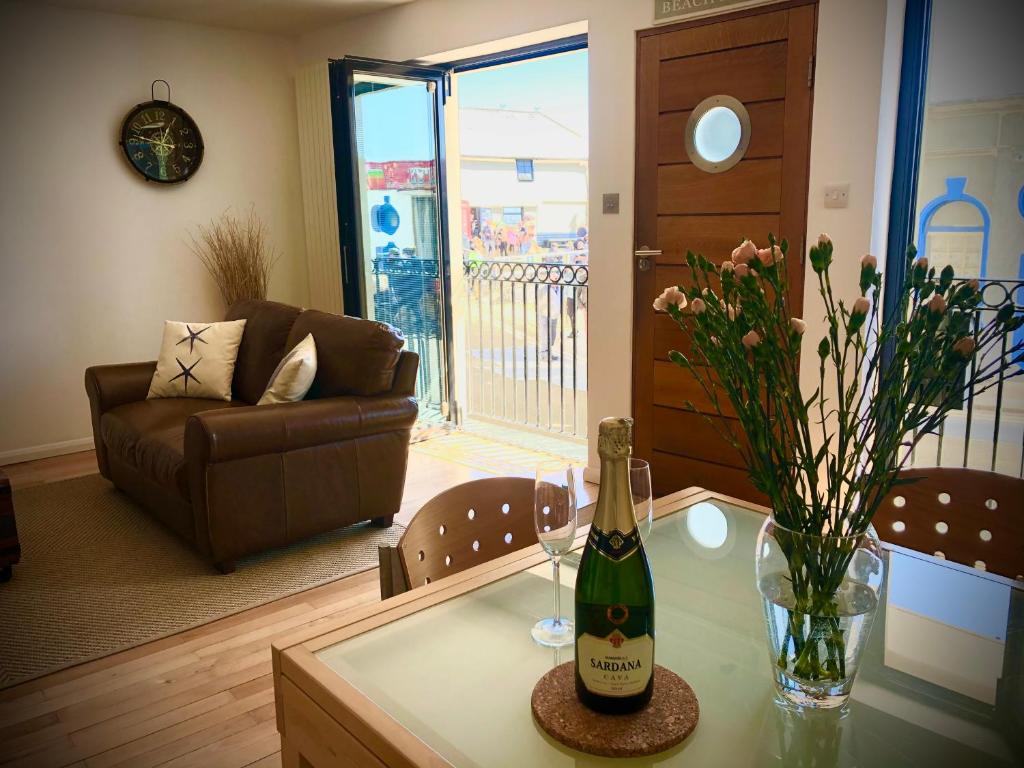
point(741, 270)
point(727, 266)
point(965, 346)
point(751, 339)
point(697, 306)
point(797, 325)
point(867, 260)
point(744, 253)
point(937, 304)
point(671, 295)
point(824, 239)
point(861, 306)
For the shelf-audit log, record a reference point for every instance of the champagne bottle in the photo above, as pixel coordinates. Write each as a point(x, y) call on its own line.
point(614, 590)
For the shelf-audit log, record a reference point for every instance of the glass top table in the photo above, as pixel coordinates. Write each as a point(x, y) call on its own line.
point(941, 684)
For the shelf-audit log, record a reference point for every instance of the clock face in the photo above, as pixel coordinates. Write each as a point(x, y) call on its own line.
point(162, 142)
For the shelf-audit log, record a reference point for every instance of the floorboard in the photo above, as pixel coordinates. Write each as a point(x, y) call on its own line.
point(203, 697)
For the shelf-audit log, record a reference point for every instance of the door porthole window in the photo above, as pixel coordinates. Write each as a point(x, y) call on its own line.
point(717, 133)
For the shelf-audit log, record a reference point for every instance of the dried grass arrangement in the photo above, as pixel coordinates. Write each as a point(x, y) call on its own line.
point(237, 254)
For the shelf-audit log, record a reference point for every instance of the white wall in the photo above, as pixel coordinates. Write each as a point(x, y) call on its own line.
point(92, 258)
point(850, 48)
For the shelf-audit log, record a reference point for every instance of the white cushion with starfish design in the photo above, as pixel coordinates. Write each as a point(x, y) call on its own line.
point(197, 360)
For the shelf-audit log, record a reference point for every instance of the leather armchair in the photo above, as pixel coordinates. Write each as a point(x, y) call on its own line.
point(235, 478)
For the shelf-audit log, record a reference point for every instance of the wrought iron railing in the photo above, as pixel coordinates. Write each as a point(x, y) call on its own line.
point(987, 432)
point(408, 296)
point(526, 342)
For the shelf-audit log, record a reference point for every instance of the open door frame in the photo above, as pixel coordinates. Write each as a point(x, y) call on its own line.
point(350, 222)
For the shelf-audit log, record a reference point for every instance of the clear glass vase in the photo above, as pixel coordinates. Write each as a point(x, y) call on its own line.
point(819, 595)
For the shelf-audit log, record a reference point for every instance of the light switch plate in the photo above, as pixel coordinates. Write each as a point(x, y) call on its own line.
point(610, 202)
point(837, 195)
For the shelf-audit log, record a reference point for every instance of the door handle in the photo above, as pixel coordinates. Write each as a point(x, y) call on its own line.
point(644, 256)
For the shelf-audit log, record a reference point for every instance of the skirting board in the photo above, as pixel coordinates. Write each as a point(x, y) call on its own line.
point(19, 455)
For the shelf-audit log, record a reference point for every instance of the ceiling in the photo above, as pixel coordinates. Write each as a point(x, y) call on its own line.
point(288, 17)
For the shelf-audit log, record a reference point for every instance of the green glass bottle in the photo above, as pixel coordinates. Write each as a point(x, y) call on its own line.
point(614, 590)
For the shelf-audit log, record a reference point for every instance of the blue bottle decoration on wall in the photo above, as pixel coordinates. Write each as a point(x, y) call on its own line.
point(955, 193)
point(384, 217)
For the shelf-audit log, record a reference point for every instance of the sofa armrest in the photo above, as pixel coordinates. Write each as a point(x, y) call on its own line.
point(256, 430)
point(109, 386)
point(405, 374)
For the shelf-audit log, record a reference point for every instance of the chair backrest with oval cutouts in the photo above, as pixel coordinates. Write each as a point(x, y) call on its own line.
point(467, 525)
point(968, 516)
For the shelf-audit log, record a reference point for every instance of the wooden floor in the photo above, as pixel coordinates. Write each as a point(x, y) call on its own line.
point(200, 698)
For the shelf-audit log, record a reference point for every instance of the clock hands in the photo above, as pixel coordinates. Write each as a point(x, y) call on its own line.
point(153, 141)
point(165, 147)
point(169, 126)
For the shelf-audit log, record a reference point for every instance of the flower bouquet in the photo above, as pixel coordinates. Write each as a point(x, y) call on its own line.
point(827, 458)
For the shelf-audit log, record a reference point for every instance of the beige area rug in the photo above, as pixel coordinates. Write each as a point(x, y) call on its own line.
point(97, 575)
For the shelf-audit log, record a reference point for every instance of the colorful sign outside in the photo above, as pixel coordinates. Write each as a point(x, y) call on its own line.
point(398, 175)
point(668, 10)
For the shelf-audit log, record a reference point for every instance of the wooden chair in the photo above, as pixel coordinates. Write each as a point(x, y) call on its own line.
point(464, 526)
point(968, 516)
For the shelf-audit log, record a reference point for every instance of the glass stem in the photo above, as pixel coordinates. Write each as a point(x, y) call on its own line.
point(557, 579)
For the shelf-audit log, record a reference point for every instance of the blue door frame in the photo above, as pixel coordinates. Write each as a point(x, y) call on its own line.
point(907, 155)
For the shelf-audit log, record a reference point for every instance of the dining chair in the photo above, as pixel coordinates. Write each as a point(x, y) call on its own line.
point(463, 526)
point(969, 516)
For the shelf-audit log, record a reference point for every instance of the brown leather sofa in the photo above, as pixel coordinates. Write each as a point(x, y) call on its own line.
point(234, 478)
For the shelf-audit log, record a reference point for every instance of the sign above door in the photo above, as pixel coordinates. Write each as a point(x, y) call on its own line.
point(673, 10)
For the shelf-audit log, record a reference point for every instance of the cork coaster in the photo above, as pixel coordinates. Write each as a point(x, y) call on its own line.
point(670, 717)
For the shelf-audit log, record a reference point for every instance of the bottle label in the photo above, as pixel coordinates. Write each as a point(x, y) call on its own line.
point(615, 544)
point(615, 665)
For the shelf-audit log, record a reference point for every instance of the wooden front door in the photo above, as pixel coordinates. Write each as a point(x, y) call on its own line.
point(765, 59)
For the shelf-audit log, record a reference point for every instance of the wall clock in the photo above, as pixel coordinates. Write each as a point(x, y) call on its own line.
point(161, 140)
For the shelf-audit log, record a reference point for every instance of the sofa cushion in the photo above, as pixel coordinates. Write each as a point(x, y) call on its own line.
point(263, 344)
point(149, 435)
point(197, 360)
point(293, 376)
point(354, 356)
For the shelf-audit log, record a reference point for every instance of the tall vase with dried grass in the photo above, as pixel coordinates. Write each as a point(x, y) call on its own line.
point(237, 254)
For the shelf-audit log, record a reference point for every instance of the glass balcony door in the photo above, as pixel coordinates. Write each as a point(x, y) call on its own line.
point(391, 199)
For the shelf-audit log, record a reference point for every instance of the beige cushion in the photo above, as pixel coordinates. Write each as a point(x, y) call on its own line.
point(294, 375)
point(197, 360)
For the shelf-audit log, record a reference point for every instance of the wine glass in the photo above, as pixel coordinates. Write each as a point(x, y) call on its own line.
point(643, 496)
point(554, 517)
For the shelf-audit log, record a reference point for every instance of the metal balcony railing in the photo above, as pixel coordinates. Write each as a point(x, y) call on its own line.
point(987, 432)
point(407, 294)
point(526, 341)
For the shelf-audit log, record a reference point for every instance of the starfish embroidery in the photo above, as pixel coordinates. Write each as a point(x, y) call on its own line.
point(193, 337)
point(186, 371)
